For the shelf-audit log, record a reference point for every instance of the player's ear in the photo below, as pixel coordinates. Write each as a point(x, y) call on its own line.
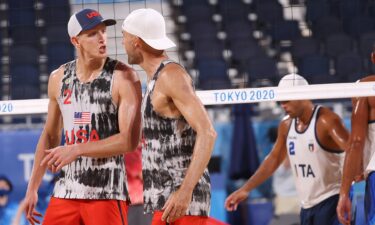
point(75, 41)
point(136, 42)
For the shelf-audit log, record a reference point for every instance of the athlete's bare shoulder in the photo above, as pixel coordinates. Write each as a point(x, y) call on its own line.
point(174, 79)
point(125, 72)
point(285, 124)
point(328, 118)
point(327, 113)
point(371, 99)
point(368, 78)
point(54, 81)
point(174, 72)
point(57, 74)
point(126, 82)
point(286, 120)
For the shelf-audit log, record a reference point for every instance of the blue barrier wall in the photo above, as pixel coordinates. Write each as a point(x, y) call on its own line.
point(17, 154)
point(16, 159)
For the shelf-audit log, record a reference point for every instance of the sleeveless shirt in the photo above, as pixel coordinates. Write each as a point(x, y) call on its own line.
point(167, 153)
point(89, 114)
point(317, 170)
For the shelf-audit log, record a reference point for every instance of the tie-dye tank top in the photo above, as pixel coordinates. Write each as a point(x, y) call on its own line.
point(167, 153)
point(89, 114)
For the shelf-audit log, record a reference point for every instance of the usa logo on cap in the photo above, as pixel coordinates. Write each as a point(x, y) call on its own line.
point(86, 19)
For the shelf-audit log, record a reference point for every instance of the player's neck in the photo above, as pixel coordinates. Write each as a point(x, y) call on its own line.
point(88, 70)
point(307, 113)
point(151, 63)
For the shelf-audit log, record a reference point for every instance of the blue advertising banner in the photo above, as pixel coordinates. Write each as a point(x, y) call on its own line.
point(17, 157)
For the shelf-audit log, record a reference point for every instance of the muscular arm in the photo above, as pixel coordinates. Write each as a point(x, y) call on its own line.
point(50, 138)
point(335, 128)
point(354, 154)
point(51, 134)
point(177, 86)
point(361, 114)
point(353, 158)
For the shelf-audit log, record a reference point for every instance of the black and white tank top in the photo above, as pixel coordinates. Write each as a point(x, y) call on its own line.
point(166, 156)
point(89, 114)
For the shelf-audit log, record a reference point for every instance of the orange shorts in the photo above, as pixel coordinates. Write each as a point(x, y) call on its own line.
point(185, 220)
point(87, 212)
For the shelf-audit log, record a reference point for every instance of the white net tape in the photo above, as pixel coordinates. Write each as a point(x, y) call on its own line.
point(230, 96)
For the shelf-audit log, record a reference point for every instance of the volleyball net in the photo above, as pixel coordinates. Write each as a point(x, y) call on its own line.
point(175, 13)
point(230, 96)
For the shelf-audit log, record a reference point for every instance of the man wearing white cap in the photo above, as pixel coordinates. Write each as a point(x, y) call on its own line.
point(179, 137)
point(314, 139)
point(96, 101)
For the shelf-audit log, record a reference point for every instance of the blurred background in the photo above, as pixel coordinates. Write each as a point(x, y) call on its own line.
point(222, 44)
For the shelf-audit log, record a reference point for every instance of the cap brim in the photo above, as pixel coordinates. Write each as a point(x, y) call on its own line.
point(160, 44)
point(109, 22)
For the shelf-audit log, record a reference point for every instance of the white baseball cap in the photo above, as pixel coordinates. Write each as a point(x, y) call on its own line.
point(291, 80)
point(149, 25)
point(86, 19)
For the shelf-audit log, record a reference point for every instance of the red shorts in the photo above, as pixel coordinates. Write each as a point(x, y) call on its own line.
point(88, 212)
point(185, 220)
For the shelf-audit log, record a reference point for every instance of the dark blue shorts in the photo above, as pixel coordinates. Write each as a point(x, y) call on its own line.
point(370, 199)
point(323, 213)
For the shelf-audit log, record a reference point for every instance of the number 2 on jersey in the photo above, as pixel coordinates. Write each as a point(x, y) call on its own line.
point(291, 148)
point(67, 95)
